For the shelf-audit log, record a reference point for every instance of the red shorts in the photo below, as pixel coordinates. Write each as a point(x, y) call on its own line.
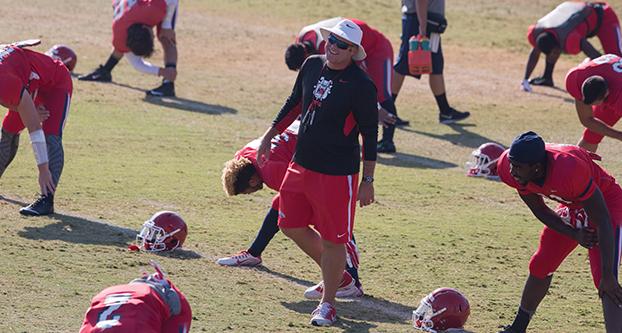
point(555, 247)
point(55, 99)
point(379, 66)
point(609, 32)
point(608, 115)
point(325, 201)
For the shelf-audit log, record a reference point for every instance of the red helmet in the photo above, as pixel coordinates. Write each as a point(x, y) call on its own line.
point(65, 55)
point(164, 231)
point(485, 160)
point(443, 309)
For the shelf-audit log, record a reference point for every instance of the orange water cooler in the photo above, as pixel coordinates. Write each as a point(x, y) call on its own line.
point(419, 55)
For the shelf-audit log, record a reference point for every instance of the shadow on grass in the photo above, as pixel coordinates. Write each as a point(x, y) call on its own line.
point(289, 278)
point(413, 161)
point(461, 136)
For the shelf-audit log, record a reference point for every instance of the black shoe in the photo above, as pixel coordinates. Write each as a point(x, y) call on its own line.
point(507, 329)
point(453, 116)
point(385, 147)
point(44, 205)
point(401, 122)
point(166, 89)
point(98, 75)
point(542, 81)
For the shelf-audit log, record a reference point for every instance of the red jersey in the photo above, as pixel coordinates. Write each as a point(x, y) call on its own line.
point(311, 33)
point(572, 176)
point(22, 69)
point(128, 12)
point(135, 307)
point(609, 67)
point(282, 150)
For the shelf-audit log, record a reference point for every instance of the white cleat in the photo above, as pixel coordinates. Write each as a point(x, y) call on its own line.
point(324, 315)
point(242, 258)
point(347, 289)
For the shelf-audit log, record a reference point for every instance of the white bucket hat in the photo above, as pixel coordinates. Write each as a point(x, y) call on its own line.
point(349, 31)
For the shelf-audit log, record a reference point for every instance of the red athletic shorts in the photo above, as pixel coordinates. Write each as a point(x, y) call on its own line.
point(555, 247)
point(325, 201)
point(608, 115)
point(55, 99)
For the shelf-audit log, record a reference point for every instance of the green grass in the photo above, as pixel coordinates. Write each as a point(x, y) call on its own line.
point(431, 226)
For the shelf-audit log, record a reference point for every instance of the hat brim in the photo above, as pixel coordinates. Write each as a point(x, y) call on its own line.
point(360, 55)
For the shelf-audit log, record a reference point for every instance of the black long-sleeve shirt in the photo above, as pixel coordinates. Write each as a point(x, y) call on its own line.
point(336, 105)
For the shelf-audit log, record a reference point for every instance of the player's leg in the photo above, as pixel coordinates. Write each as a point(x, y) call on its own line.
point(9, 139)
point(410, 27)
point(57, 101)
point(380, 71)
point(552, 251)
point(591, 139)
point(352, 262)
point(609, 33)
point(169, 46)
point(447, 114)
point(103, 72)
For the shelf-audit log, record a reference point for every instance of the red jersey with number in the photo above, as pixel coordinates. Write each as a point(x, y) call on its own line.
point(282, 150)
point(128, 12)
point(572, 176)
point(22, 69)
point(311, 33)
point(609, 67)
point(135, 307)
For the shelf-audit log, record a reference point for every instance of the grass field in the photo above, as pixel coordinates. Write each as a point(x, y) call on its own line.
point(127, 158)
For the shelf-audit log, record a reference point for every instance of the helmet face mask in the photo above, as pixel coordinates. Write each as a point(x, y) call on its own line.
point(484, 161)
point(165, 231)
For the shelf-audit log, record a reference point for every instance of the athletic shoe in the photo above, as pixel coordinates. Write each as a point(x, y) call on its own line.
point(347, 289)
point(44, 205)
point(507, 329)
point(386, 147)
point(452, 117)
point(242, 258)
point(399, 122)
point(542, 81)
point(166, 89)
point(98, 75)
point(324, 315)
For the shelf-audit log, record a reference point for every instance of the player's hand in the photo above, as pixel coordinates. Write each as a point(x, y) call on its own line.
point(263, 151)
point(167, 36)
point(587, 237)
point(169, 73)
point(366, 194)
point(609, 287)
point(385, 118)
point(44, 114)
point(45, 180)
point(525, 86)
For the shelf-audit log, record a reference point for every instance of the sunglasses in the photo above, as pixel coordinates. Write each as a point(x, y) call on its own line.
point(339, 43)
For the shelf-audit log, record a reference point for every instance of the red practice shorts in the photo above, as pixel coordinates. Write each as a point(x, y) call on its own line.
point(555, 247)
point(55, 99)
point(609, 32)
point(379, 67)
point(608, 115)
point(325, 201)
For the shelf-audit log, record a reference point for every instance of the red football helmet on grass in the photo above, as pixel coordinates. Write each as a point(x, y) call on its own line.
point(485, 160)
point(442, 309)
point(164, 231)
point(64, 54)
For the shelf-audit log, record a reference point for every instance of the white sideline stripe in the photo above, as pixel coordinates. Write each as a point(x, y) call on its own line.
point(369, 303)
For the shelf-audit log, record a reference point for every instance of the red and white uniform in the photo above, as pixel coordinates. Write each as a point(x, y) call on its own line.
point(48, 81)
point(608, 33)
point(609, 67)
point(378, 62)
point(127, 12)
point(572, 176)
point(135, 307)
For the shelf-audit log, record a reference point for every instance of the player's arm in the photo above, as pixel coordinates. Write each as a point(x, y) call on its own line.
point(546, 215)
point(365, 112)
point(586, 117)
point(148, 68)
point(588, 49)
point(30, 117)
point(598, 214)
point(532, 61)
point(422, 15)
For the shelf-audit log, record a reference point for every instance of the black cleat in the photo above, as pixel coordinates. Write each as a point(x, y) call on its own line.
point(166, 89)
point(399, 122)
point(98, 75)
point(44, 205)
point(507, 329)
point(453, 116)
point(385, 147)
point(542, 81)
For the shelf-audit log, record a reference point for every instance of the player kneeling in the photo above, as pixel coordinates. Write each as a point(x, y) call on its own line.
point(150, 304)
